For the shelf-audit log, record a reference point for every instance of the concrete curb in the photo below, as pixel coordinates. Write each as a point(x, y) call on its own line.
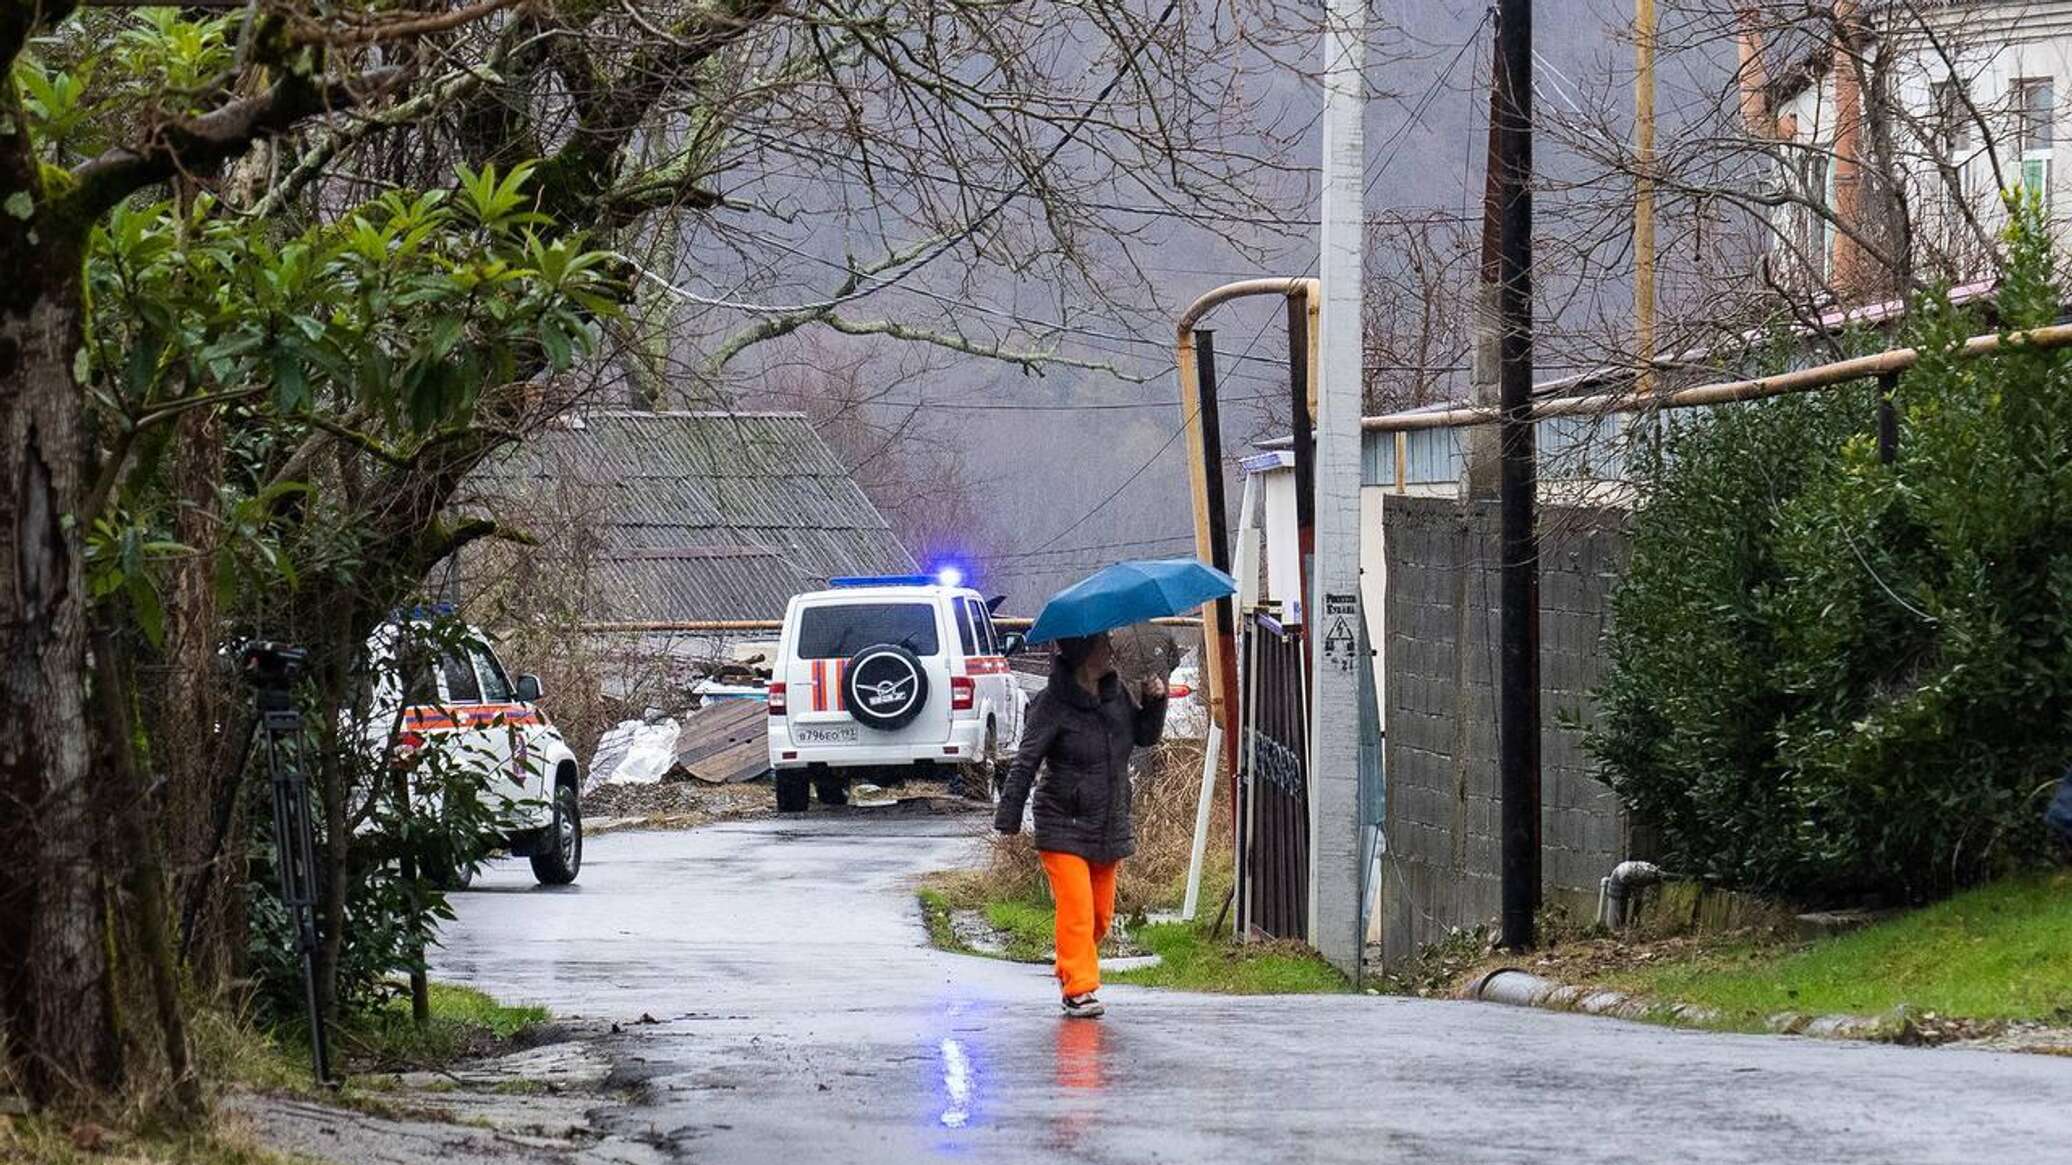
point(1520, 988)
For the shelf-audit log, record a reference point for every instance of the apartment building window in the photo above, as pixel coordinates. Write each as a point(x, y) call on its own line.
point(2035, 104)
point(1953, 121)
point(1812, 234)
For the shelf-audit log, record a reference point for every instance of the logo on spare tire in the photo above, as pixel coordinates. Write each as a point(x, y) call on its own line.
point(886, 686)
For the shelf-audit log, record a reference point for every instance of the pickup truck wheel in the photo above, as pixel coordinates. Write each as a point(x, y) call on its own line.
point(561, 850)
point(833, 790)
point(794, 792)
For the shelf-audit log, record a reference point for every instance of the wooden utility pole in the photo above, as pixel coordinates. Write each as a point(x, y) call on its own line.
point(1480, 451)
point(1645, 28)
point(1518, 695)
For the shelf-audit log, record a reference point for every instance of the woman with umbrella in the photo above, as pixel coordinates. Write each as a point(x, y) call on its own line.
point(1080, 733)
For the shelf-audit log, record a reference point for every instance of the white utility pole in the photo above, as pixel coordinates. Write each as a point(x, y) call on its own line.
point(1335, 925)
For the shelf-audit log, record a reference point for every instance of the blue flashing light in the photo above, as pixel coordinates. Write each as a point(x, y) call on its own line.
point(949, 575)
point(423, 613)
point(883, 580)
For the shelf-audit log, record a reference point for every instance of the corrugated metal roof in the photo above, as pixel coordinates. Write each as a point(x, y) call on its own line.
point(696, 515)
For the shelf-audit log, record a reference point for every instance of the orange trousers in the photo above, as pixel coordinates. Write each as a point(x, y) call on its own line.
point(1085, 895)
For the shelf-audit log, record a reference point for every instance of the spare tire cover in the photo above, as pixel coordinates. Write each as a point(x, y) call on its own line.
point(885, 687)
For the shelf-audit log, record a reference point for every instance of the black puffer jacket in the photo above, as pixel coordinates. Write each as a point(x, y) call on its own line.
point(1083, 744)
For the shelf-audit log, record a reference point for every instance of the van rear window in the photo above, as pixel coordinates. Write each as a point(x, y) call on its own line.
point(841, 631)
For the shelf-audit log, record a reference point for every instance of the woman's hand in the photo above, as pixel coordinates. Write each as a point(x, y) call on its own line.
point(1154, 689)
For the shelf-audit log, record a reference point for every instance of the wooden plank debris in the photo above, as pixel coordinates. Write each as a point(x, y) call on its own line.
point(724, 743)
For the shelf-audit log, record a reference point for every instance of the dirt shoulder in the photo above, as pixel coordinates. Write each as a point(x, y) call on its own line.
point(673, 805)
point(538, 1103)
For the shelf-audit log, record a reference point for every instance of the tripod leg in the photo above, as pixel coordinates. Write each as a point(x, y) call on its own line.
point(294, 849)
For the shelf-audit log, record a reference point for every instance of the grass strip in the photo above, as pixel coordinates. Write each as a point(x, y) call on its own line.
point(1998, 952)
point(50, 1140)
point(1189, 960)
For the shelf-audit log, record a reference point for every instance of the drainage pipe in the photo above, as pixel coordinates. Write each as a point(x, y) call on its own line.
point(1513, 986)
point(1615, 890)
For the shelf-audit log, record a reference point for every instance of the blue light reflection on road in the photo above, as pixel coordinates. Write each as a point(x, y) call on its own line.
point(956, 1085)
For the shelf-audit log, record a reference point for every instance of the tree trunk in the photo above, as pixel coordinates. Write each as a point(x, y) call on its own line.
point(332, 777)
point(188, 715)
point(143, 871)
point(58, 992)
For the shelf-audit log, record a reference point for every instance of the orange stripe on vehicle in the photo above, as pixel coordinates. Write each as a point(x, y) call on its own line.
point(841, 700)
point(820, 685)
point(456, 716)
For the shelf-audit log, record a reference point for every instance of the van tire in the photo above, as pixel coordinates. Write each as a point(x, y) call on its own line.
point(561, 851)
point(794, 791)
point(833, 789)
point(980, 780)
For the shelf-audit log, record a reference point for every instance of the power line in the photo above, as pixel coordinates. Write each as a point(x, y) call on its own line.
point(1424, 104)
point(1087, 408)
point(1117, 492)
point(1131, 545)
point(941, 247)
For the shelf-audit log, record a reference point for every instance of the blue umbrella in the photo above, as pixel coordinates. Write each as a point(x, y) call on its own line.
point(1129, 592)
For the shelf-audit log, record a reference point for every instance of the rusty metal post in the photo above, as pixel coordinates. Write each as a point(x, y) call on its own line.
point(1302, 404)
point(1888, 418)
point(1216, 511)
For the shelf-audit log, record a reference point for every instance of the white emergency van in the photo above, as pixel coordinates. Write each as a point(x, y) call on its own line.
point(889, 678)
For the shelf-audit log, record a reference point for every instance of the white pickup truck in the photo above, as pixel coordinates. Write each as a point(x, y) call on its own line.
point(458, 698)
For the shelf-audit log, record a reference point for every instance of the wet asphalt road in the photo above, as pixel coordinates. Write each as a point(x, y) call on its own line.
point(802, 1018)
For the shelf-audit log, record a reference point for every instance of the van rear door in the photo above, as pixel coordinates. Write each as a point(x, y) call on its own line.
point(828, 634)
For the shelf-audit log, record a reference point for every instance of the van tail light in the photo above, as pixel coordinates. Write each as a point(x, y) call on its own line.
point(963, 693)
point(778, 704)
point(1178, 691)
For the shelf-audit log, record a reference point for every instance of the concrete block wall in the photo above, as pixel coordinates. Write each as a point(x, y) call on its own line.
point(1439, 628)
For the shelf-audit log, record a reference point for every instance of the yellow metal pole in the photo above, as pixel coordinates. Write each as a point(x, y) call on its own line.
point(1314, 299)
point(1198, 493)
point(1217, 653)
point(1645, 29)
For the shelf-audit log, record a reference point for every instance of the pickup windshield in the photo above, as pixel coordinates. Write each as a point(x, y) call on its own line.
point(838, 632)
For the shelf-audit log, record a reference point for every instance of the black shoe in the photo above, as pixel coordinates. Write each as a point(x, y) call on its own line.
point(1083, 1006)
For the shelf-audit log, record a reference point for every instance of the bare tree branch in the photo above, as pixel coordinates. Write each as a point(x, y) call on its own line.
point(214, 137)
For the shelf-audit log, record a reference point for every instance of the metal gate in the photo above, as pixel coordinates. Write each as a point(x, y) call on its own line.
point(1273, 782)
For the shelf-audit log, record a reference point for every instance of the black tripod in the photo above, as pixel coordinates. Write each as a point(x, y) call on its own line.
point(272, 669)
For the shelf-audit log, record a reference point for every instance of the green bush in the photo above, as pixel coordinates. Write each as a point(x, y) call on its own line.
point(1834, 677)
point(416, 825)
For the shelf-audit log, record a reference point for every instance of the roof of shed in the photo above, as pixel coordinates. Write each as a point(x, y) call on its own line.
point(696, 515)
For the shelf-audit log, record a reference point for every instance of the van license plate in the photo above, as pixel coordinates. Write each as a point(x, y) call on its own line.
point(832, 734)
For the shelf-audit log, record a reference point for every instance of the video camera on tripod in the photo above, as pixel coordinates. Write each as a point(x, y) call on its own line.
point(270, 666)
point(273, 669)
